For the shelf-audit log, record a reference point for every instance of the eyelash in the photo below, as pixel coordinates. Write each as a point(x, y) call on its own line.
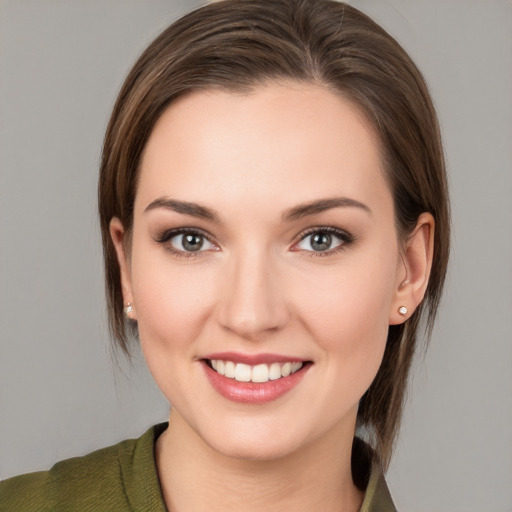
point(168, 235)
point(345, 238)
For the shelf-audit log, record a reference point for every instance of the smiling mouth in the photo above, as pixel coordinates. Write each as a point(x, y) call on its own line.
point(259, 373)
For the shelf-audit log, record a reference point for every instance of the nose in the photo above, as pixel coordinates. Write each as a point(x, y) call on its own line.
point(252, 300)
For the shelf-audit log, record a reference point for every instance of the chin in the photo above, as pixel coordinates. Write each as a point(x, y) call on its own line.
point(261, 449)
point(262, 439)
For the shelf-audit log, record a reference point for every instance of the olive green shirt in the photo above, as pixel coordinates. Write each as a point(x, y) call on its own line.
point(120, 478)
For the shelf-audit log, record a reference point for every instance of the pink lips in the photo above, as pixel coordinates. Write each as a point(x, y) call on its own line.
point(253, 359)
point(252, 392)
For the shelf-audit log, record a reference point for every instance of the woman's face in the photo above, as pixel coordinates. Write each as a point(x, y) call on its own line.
point(263, 243)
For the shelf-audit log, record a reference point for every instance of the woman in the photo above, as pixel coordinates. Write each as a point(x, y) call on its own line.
point(275, 224)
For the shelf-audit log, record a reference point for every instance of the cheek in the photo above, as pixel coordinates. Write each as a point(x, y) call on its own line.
point(172, 301)
point(346, 308)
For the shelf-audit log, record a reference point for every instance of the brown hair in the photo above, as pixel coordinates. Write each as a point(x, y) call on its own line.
point(237, 45)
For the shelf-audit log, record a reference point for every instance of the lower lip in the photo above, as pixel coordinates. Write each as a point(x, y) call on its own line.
point(253, 392)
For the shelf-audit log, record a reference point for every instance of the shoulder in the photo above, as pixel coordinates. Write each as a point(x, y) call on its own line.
point(78, 483)
point(101, 480)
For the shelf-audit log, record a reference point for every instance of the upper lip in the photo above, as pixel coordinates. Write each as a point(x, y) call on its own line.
point(254, 359)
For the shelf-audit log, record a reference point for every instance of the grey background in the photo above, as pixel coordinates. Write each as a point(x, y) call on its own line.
point(61, 64)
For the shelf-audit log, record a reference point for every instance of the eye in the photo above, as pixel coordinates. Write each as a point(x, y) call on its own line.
point(190, 242)
point(186, 242)
point(323, 240)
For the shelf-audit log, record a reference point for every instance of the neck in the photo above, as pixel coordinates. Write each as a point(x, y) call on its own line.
point(196, 477)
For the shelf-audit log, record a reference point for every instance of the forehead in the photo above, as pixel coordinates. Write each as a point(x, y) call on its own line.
point(295, 142)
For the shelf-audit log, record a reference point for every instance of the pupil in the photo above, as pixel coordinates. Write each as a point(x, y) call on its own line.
point(321, 242)
point(192, 242)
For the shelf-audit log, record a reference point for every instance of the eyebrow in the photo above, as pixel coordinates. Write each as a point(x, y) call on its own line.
point(186, 208)
point(295, 213)
point(316, 207)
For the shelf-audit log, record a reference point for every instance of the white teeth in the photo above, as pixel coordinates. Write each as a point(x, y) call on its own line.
point(286, 369)
point(274, 371)
point(229, 369)
point(296, 366)
point(243, 372)
point(259, 373)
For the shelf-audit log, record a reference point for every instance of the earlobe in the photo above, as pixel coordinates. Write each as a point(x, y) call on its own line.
point(118, 235)
point(417, 263)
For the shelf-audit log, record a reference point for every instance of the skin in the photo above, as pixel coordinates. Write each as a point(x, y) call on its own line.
point(258, 288)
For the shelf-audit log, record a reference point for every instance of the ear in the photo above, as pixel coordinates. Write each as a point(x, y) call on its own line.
point(118, 236)
point(414, 270)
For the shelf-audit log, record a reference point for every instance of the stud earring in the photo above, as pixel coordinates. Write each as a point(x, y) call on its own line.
point(128, 308)
point(402, 310)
